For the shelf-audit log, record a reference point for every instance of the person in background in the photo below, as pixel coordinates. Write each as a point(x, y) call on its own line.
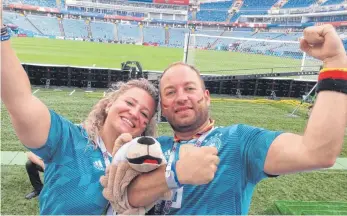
point(33, 166)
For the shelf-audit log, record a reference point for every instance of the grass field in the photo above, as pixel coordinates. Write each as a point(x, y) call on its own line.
point(261, 113)
point(326, 185)
point(78, 53)
point(314, 186)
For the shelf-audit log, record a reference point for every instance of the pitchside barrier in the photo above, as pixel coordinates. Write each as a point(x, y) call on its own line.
point(101, 78)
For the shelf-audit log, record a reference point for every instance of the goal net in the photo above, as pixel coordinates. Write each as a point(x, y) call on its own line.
point(220, 55)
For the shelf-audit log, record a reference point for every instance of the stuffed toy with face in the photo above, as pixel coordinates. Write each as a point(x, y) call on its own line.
point(145, 154)
point(140, 155)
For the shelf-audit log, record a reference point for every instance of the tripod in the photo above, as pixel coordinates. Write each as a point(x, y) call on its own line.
point(302, 101)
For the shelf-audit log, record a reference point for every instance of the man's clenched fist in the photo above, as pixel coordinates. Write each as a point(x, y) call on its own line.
point(323, 42)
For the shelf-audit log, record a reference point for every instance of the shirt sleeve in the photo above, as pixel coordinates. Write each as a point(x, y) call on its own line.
point(60, 133)
point(255, 143)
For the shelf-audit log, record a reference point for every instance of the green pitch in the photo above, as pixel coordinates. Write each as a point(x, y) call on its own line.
point(78, 53)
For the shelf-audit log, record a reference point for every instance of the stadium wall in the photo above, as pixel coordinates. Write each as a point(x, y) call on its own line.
point(95, 78)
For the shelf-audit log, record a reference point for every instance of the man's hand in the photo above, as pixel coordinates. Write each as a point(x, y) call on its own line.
point(323, 42)
point(197, 165)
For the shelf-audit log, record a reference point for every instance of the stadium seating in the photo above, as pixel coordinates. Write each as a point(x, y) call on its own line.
point(42, 3)
point(258, 4)
point(173, 37)
point(224, 5)
point(211, 15)
point(332, 2)
point(214, 11)
point(298, 3)
point(177, 36)
point(47, 25)
point(253, 7)
point(154, 35)
point(75, 28)
point(21, 21)
point(103, 30)
point(129, 33)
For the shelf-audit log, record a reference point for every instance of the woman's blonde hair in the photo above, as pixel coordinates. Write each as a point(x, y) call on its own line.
point(98, 115)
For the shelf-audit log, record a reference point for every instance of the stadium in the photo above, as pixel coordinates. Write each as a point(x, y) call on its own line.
point(247, 51)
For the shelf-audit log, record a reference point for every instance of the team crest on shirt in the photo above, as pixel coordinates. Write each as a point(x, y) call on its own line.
point(167, 154)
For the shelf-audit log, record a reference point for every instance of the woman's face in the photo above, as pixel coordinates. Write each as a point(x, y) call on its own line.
point(131, 112)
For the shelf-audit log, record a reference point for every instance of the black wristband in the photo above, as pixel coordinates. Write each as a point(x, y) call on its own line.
point(4, 34)
point(337, 85)
point(4, 30)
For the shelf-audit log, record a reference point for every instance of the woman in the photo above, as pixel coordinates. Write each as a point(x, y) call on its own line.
point(75, 156)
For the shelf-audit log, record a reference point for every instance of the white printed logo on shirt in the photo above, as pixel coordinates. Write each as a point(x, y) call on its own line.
point(98, 165)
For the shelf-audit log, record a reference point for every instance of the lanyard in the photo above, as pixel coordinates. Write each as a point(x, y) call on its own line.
point(174, 148)
point(108, 210)
point(104, 152)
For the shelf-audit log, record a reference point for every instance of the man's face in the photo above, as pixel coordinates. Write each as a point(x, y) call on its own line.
point(184, 102)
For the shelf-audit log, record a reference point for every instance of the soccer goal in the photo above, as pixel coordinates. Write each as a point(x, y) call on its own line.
point(219, 55)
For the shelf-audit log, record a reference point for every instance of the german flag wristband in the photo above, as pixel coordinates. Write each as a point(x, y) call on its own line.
point(332, 79)
point(4, 34)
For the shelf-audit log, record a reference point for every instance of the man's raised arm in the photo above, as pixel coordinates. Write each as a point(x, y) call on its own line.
point(323, 139)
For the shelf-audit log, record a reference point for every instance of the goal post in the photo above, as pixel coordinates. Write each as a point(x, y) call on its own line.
point(223, 55)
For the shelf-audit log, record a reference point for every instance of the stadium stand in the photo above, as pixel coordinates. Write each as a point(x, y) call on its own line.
point(154, 35)
point(42, 3)
point(214, 11)
point(298, 3)
point(129, 33)
point(103, 30)
point(332, 2)
point(216, 5)
point(75, 28)
point(47, 25)
point(177, 37)
point(212, 15)
point(25, 27)
point(253, 7)
point(258, 5)
point(171, 35)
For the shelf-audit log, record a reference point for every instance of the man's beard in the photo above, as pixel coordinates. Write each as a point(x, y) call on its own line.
point(202, 116)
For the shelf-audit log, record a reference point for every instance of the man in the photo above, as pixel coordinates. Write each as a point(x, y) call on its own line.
point(33, 166)
point(244, 154)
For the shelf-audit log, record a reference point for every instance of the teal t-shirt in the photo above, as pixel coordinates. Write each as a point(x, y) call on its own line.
point(242, 150)
point(73, 166)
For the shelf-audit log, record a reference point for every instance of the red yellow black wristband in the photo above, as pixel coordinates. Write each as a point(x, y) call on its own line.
point(333, 73)
point(332, 79)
